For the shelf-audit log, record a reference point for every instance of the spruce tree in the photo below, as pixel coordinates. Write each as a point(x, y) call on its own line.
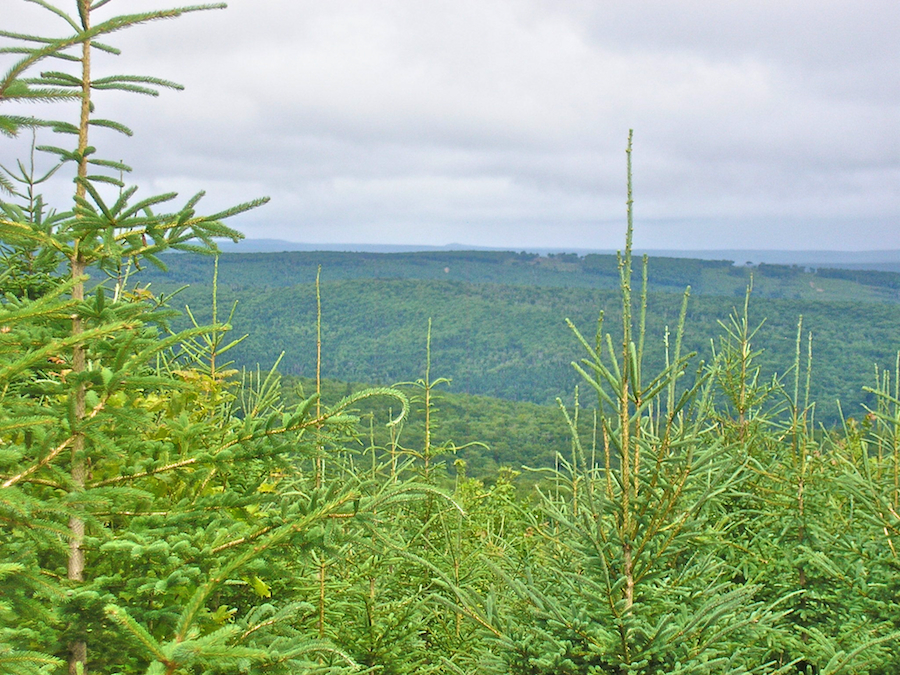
point(117, 477)
point(623, 569)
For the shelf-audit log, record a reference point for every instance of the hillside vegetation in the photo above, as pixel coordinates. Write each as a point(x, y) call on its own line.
point(488, 434)
point(511, 340)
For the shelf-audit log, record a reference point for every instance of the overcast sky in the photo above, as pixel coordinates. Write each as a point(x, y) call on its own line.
point(758, 123)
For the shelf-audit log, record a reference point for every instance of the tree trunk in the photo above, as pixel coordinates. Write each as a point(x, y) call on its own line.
point(78, 649)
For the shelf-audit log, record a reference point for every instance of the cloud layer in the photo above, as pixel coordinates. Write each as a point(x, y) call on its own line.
point(758, 124)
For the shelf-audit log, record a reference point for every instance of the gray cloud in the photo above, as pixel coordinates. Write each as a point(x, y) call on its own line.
point(503, 122)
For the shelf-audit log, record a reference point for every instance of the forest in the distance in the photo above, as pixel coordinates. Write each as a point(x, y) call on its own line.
point(499, 318)
point(168, 507)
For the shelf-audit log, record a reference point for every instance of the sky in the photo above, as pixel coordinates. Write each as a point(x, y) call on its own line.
point(758, 124)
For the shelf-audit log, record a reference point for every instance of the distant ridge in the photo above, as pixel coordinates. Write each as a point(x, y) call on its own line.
point(280, 245)
point(887, 259)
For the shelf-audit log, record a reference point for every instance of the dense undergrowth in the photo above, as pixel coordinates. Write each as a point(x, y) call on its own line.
point(163, 513)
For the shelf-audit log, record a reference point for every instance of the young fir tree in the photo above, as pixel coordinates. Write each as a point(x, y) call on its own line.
point(385, 591)
point(144, 498)
point(864, 567)
point(623, 571)
point(794, 527)
point(99, 352)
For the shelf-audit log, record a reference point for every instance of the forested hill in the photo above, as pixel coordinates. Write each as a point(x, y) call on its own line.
point(567, 270)
point(509, 340)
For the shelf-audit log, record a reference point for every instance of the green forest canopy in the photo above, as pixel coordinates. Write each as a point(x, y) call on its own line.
point(498, 334)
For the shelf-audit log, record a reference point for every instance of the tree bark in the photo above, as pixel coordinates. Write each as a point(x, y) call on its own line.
point(78, 648)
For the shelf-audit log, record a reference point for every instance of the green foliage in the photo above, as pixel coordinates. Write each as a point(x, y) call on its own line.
point(126, 520)
point(627, 577)
point(512, 342)
point(508, 433)
point(876, 278)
